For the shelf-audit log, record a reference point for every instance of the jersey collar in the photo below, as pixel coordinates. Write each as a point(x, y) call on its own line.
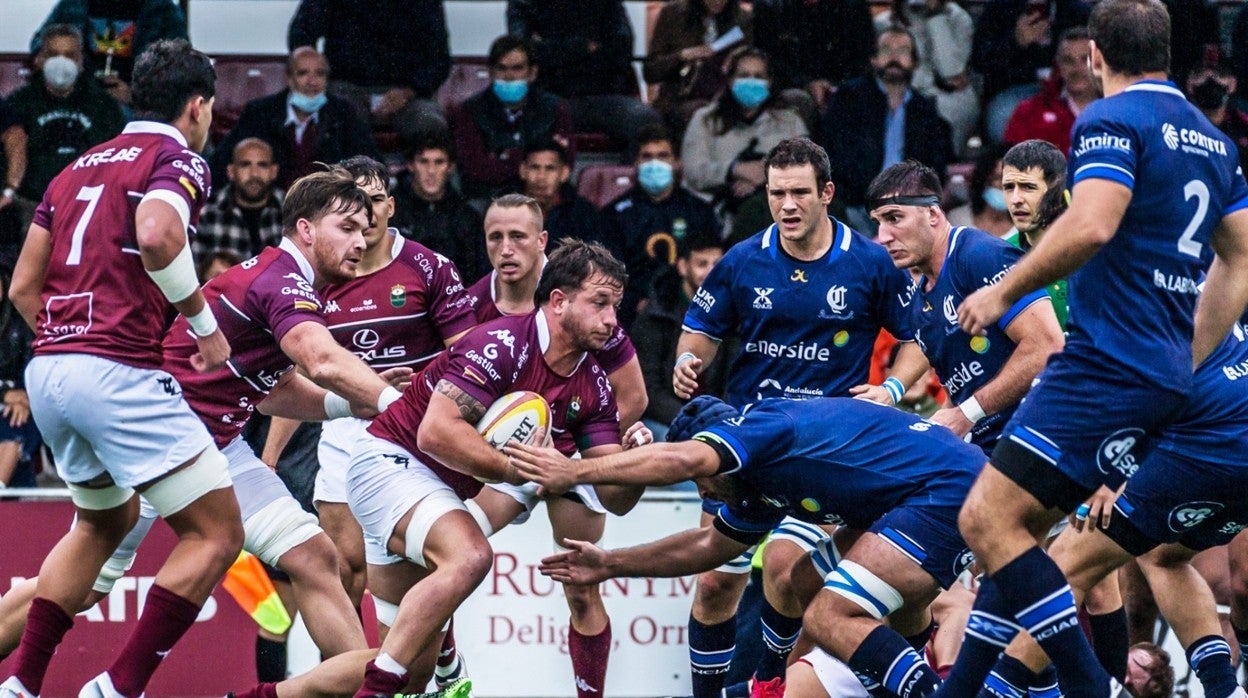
point(841, 239)
point(305, 267)
point(543, 339)
point(1163, 86)
point(396, 247)
point(155, 127)
point(955, 235)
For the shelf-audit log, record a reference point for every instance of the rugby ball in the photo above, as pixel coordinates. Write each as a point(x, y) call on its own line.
point(515, 417)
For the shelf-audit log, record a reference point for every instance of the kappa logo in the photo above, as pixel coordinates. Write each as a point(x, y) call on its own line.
point(332, 307)
point(583, 685)
point(762, 299)
point(1192, 514)
point(837, 299)
point(167, 385)
point(951, 310)
point(1115, 452)
point(1170, 135)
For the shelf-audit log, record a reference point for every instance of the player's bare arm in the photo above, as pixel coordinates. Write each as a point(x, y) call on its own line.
point(332, 367)
point(1096, 208)
point(688, 552)
point(1226, 286)
point(694, 354)
point(1036, 334)
point(655, 464)
point(629, 387)
point(909, 366)
point(165, 250)
point(449, 433)
point(27, 283)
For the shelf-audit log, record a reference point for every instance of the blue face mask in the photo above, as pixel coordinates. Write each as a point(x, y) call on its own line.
point(995, 198)
point(307, 104)
point(510, 91)
point(655, 176)
point(750, 92)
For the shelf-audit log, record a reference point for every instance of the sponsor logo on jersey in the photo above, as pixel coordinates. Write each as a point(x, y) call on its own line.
point(812, 505)
point(980, 345)
point(1191, 514)
point(1231, 528)
point(802, 350)
point(922, 426)
point(111, 155)
point(762, 298)
point(833, 520)
point(365, 338)
point(799, 275)
point(772, 386)
point(841, 338)
point(1115, 453)
point(704, 300)
point(965, 559)
point(484, 361)
point(398, 295)
point(1236, 371)
point(1101, 141)
point(1191, 141)
point(1175, 283)
point(777, 502)
point(962, 376)
point(368, 304)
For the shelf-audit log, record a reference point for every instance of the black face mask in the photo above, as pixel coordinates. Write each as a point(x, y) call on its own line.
point(1209, 94)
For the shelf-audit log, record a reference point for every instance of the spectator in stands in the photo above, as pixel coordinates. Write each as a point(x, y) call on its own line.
point(876, 121)
point(942, 33)
point(19, 439)
point(658, 327)
point(245, 215)
point(116, 32)
point(545, 174)
point(584, 52)
point(495, 128)
point(682, 61)
point(1015, 41)
point(814, 46)
point(643, 226)
point(1195, 36)
point(987, 208)
point(430, 211)
point(63, 112)
point(727, 139)
point(214, 264)
point(389, 58)
point(13, 157)
point(1210, 89)
point(1050, 114)
point(302, 123)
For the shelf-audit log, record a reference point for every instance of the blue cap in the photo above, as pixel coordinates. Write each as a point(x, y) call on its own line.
point(701, 412)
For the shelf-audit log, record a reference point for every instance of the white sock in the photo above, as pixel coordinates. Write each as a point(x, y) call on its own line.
point(387, 664)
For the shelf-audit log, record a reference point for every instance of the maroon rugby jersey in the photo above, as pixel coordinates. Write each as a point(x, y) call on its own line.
point(497, 358)
point(97, 299)
point(400, 314)
point(618, 350)
point(256, 304)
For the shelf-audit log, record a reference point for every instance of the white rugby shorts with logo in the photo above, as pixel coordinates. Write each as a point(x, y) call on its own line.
point(338, 438)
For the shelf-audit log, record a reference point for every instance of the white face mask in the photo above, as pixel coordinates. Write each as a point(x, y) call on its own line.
point(60, 72)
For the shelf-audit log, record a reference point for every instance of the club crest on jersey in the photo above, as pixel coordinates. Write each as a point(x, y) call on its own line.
point(574, 409)
point(799, 275)
point(762, 298)
point(1115, 452)
point(838, 303)
point(1188, 515)
point(398, 295)
point(951, 311)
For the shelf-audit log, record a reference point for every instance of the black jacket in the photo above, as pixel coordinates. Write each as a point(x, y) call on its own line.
point(490, 147)
point(566, 27)
point(830, 40)
point(379, 43)
point(656, 332)
point(450, 227)
point(572, 217)
point(853, 133)
point(642, 233)
point(339, 134)
point(997, 56)
point(15, 341)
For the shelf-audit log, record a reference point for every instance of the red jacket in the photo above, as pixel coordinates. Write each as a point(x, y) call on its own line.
point(1045, 115)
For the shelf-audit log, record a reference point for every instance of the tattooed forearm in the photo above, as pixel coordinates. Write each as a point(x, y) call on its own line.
point(470, 408)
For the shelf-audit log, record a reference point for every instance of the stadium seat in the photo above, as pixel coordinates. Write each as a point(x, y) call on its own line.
point(603, 183)
point(13, 72)
point(241, 79)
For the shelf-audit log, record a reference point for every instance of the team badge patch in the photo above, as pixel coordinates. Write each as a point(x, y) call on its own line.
point(574, 409)
point(307, 305)
point(398, 295)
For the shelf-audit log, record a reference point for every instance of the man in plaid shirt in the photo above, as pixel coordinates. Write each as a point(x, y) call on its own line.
point(246, 215)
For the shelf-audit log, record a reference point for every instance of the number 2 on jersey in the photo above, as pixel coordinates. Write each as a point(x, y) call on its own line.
point(91, 195)
point(1187, 243)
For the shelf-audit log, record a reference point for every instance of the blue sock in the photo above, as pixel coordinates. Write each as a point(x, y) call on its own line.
point(1039, 597)
point(1210, 658)
point(1110, 641)
point(886, 658)
point(1044, 684)
point(779, 635)
point(710, 652)
point(1241, 636)
point(1008, 679)
point(989, 629)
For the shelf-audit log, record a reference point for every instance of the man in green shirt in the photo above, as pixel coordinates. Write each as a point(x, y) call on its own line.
point(1033, 177)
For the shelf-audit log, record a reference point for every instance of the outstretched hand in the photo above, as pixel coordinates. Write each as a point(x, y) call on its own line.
point(555, 472)
point(582, 563)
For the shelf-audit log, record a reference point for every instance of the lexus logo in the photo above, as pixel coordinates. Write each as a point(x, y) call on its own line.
point(366, 338)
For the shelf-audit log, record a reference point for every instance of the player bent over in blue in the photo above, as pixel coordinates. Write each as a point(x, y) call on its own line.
point(893, 481)
point(1156, 192)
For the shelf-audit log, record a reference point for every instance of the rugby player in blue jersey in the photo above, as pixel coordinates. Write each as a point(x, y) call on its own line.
point(807, 298)
point(1156, 191)
point(892, 481)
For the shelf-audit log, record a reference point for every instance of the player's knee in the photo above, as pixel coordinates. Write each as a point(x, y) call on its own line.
point(717, 592)
point(1238, 585)
point(311, 560)
point(971, 521)
point(582, 598)
point(778, 571)
point(472, 564)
